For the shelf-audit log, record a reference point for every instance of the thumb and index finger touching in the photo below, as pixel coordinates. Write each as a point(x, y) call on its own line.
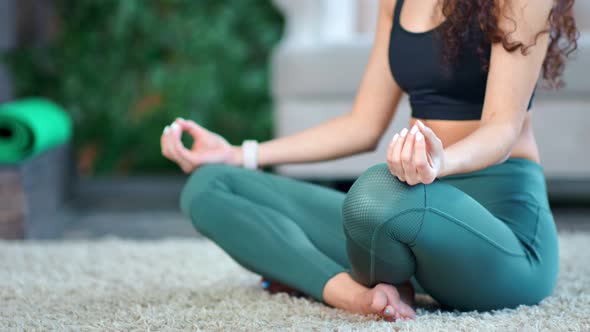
point(191, 127)
point(198, 133)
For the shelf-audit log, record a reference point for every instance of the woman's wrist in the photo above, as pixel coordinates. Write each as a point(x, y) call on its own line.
point(236, 156)
point(445, 165)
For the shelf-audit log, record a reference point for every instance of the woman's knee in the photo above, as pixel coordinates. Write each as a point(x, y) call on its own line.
point(377, 197)
point(202, 181)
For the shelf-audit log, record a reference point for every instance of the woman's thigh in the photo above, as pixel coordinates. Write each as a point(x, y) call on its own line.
point(315, 209)
point(467, 258)
point(500, 222)
point(494, 234)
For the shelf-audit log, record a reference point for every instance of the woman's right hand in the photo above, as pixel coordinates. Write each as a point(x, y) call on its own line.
point(208, 147)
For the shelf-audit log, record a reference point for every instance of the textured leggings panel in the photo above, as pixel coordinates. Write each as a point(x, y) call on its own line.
point(474, 241)
point(377, 195)
point(376, 202)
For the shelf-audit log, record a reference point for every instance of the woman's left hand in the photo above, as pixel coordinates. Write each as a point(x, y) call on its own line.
point(416, 156)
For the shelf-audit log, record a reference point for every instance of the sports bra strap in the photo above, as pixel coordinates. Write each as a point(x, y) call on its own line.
point(397, 11)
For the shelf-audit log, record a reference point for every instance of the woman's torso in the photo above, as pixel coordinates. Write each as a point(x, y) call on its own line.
point(422, 16)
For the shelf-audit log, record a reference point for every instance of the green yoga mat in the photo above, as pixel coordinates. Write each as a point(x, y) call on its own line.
point(31, 126)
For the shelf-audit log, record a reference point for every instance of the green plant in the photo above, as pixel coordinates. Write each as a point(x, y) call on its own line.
point(125, 69)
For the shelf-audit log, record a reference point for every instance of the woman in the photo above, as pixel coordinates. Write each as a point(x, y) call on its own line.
point(458, 209)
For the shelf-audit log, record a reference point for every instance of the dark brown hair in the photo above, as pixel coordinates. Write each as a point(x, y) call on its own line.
point(562, 32)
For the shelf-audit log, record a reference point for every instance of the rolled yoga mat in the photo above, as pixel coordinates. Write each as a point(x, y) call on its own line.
point(31, 126)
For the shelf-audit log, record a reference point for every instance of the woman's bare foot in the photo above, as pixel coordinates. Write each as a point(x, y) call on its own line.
point(388, 301)
point(384, 300)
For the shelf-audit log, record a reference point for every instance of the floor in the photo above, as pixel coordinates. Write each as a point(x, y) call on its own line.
point(186, 284)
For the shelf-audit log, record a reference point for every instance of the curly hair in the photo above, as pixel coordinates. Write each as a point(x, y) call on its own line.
point(562, 31)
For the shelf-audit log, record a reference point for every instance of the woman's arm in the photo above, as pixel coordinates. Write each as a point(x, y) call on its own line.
point(351, 133)
point(511, 80)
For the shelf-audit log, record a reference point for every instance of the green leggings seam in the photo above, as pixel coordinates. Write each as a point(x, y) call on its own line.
point(442, 214)
point(536, 229)
point(378, 228)
point(474, 232)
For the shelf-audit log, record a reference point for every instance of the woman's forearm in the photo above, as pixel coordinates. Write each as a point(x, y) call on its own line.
point(488, 145)
point(342, 136)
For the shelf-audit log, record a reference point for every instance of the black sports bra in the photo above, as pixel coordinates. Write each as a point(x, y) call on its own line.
point(438, 90)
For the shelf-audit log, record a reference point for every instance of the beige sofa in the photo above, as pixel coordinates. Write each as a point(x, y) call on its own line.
point(315, 76)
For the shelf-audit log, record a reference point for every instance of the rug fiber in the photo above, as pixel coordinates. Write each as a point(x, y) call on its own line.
point(190, 284)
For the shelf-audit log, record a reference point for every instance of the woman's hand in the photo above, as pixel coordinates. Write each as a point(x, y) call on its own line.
point(416, 156)
point(208, 147)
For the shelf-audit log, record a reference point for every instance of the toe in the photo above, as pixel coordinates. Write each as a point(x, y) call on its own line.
point(392, 297)
point(390, 312)
point(407, 311)
point(379, 302)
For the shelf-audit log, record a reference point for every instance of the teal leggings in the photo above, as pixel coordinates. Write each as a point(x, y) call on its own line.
point(473, 241)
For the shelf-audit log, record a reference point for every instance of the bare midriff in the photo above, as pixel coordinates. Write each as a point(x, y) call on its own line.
point(451, 131)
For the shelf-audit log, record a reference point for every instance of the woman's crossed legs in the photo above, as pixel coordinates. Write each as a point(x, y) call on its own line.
point(383, 232)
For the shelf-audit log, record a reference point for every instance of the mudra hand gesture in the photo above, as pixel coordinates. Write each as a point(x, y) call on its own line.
point(208, 147)
point(416, 156)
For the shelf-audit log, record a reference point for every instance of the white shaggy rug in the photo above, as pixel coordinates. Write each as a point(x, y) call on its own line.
point(123, 285)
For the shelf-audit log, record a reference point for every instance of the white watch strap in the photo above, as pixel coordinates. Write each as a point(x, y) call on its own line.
point(250, 154)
